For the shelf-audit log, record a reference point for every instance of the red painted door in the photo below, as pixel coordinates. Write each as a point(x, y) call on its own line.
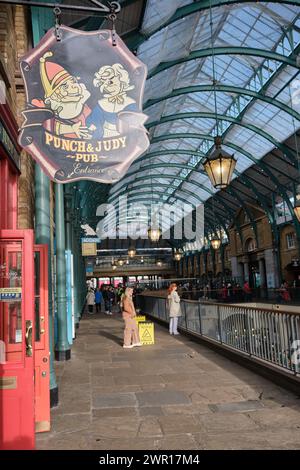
point(41, 343)
point(17, 332)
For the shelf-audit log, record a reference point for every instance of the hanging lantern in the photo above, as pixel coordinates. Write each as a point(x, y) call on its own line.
point(215, 243)
point(159, 262)
point(154, 234)
point(120, 262)
point(131, 252)
point(114, 267)
point(219, 166)
point(297, 210)
point(297, 204)
point(177, 255)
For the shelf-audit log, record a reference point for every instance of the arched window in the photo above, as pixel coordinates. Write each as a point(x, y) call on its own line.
point(250, 245)
point(246, 218)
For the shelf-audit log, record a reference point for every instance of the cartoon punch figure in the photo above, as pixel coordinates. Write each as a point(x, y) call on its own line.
point(66, 97)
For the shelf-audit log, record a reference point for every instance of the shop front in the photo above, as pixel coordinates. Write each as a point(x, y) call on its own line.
point(24, 342)
point(9, 169)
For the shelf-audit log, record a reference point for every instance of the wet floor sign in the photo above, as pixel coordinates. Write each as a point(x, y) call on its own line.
point(146, 331)
point(139, 318)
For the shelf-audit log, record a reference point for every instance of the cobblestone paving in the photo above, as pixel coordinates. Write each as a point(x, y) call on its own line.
point(175, 394)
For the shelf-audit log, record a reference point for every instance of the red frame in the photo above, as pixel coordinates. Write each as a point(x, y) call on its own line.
point(17, 403)
point(41, 349)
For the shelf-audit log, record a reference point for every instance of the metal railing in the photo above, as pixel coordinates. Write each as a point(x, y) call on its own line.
point(264, 334)
point(190, 289)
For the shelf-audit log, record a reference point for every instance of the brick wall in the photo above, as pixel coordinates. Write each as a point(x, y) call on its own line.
point(8, 51)
point(22, 41)
point(14, 42)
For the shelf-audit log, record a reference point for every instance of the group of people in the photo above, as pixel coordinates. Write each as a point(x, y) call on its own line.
point(106, 295)
point(126, 303)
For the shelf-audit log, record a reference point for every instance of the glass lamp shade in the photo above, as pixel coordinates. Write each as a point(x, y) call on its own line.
point(297, 209)
point(177, 256)
point(131, 252)
point(215, 243)
point(114, 267)
point(219, 166)
point(120, 262)
point(154, 234)
point(159, 262)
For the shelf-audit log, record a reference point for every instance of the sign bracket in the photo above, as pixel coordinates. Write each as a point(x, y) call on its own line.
point(114, 7)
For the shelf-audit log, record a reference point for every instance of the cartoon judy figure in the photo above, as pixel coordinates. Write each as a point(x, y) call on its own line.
point(113, 83)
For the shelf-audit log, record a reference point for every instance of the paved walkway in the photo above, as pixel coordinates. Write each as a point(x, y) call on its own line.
point(173, 395)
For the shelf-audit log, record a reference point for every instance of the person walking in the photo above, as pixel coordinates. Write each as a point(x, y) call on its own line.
point(131, 332)
point(90, 300)
point(98, 300)
point(284, 293)
point(174, 309)
point(106, 300)
point(110, 300)
point(247, 292)
point(224, 293)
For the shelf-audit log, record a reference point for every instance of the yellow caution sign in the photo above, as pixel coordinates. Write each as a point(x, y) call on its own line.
point(146, 331)
point(139, 318)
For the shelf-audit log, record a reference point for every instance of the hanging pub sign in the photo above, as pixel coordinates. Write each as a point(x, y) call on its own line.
point(84, 116)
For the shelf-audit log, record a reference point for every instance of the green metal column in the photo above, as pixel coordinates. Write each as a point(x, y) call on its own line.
point(42, 236)
point(41, 22)
point(70, 241)
point(222, 252)
point(76, 278)
point(62, 347)
point(82, 275)
point(68, 201)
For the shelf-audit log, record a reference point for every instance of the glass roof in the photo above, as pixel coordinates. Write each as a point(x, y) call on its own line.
point(254, 54)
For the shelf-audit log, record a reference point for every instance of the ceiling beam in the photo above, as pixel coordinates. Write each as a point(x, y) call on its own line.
point(224, 89)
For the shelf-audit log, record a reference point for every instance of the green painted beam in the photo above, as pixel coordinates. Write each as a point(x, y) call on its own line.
point(146, 196)
point(175, 165)
point(143, 186)
point(163, 165)
point(221, 117)
point(155, 183)
point(242, 51)
point(256, 181)
point(159, 153)
point(236, 195)
point(147, 201)
point(224, 89)
point(262, 201)
point(293, 54)
point(192, 8)
point(289, 167)
point(229, 210)
point(194, 135)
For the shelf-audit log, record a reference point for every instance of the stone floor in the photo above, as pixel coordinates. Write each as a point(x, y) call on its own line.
point(175, 394)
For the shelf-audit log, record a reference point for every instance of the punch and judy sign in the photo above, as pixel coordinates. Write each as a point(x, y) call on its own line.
point(84, 115)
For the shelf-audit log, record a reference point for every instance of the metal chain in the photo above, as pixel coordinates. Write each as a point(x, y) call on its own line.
point(295, 135)
point(112, 17)
point(214, 81)
point(57, 13)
